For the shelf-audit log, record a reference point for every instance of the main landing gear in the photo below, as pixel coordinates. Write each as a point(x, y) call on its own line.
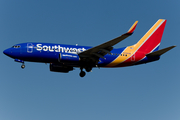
point(82, 73)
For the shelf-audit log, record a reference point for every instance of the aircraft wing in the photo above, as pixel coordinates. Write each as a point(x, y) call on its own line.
point(99, 51)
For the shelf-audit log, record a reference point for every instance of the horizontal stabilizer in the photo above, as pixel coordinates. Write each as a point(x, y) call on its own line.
point(160, 52)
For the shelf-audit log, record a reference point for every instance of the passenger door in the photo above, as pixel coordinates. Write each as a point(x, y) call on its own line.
point(29, 47)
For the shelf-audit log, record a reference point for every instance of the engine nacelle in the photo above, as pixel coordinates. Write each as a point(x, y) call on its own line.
point(60, 68)
point(68, 57)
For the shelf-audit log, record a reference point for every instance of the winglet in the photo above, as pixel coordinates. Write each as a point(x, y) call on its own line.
point(131, 30)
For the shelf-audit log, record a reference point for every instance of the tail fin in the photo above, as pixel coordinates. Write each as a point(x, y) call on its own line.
point(151, 40)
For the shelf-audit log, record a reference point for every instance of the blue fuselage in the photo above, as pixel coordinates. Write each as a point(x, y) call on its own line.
point(49, 53)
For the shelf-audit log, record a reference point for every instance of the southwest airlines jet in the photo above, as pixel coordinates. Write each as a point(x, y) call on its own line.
point(63, 58)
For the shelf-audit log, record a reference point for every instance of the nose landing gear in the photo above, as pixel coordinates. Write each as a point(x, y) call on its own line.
point(21, 61)
point(23, 66)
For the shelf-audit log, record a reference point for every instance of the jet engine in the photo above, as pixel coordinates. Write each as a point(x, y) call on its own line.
point(60, 68)
point(68, 57)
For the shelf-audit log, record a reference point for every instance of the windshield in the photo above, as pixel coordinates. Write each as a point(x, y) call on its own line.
point(16, 46)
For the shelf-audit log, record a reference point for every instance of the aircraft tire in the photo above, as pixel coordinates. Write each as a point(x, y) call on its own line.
point(88, 69)
point(22, 66)
point(82, 74)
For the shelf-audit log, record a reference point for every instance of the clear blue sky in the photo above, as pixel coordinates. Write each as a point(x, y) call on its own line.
point(145, 92)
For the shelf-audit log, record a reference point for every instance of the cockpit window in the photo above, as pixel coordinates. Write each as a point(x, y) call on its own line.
point(16, 46)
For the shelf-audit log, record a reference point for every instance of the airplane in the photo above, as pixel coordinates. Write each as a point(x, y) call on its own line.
point(64, 58)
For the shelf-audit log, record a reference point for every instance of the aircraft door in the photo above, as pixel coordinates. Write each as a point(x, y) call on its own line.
point(29, 47)
point(133, 58)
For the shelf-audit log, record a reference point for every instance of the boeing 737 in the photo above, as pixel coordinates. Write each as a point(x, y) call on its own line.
point(64, 58)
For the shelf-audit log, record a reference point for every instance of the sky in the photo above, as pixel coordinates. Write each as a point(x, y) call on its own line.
point(144, 92)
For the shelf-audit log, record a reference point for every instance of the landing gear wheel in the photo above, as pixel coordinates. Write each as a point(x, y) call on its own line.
point(22, 66)
point(88, 69)
point(82, 74)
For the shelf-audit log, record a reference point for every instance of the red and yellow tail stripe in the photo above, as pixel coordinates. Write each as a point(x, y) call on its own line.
point(144, 46)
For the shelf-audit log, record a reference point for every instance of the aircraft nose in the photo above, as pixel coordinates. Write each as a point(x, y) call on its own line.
point(7, 52)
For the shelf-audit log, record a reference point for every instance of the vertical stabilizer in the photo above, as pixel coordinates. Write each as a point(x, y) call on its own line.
point(151, 40)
